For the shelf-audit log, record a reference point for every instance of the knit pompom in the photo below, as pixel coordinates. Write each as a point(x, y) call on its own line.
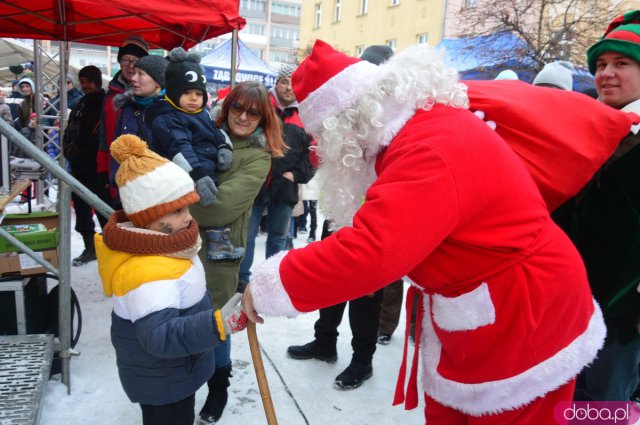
point(126, 146)
point(178, 54)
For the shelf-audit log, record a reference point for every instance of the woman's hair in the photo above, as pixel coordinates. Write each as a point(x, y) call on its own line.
point(252, 94)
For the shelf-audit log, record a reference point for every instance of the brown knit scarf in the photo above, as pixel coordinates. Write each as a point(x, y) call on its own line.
point(182, 244)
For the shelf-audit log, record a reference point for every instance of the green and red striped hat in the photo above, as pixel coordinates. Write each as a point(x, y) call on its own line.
point(622, 36)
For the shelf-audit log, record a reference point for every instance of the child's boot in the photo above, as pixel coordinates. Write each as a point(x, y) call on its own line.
point(219, 247)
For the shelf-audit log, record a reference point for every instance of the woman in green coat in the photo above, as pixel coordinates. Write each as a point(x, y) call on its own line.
point(256, 133)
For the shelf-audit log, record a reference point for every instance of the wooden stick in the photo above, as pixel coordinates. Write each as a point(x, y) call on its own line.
point(263, 385)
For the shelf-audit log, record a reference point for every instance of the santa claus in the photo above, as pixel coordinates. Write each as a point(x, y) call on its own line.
point(508, 317)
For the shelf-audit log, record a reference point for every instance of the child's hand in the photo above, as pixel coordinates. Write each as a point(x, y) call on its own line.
point(207, 190)
point(233, 317)
point(225, 157)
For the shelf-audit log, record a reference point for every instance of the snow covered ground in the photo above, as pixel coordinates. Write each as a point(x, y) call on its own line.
point(302, 391)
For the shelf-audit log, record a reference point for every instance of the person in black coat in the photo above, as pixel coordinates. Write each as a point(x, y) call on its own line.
point(80, 147)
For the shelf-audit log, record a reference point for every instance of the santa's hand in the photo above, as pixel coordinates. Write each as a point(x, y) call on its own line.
point(480, 114)
point(247, 305)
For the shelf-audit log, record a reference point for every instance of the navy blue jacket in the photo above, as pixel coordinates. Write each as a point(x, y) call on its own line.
point(195, 136)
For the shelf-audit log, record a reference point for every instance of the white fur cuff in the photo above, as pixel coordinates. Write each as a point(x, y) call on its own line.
point(269, 295)
point(466, 312)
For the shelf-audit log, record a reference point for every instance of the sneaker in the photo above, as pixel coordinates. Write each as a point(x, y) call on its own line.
point(353, 376)
point(302, 230)
point(312, 350)
point(311, 239)
point(383, 338)
point(84, 258)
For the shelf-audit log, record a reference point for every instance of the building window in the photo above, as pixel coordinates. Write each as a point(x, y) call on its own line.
point(337, 11)
point(285, 9)
point(284, 33)
point(318, 15)
point(364, 7)
point(254, 29)
point(395, 2)
point(359, 50)
point(422, 38)
point(392, 43)
point(257, 5)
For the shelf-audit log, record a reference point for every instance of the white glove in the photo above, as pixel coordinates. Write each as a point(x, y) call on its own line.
point(233, 318)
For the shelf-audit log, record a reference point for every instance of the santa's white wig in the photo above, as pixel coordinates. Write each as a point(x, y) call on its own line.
point(349, 141)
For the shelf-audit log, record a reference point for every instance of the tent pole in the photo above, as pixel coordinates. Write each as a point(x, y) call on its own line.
point(234, 57)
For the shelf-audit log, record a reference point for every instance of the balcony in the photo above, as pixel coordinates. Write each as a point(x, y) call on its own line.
point(253, 14)
point(278, 18)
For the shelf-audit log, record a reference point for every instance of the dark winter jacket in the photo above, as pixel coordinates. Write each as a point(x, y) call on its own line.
point(603, 221)
point(29, 134)
point(80, 143)
point(73, 97)
point(131, 120)
point(194, 137)
point(295, 159)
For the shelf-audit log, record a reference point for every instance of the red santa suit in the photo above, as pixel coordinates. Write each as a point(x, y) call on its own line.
point(508, 313)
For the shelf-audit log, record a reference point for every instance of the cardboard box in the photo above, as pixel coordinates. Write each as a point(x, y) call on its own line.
point(49, 219)
point(36, 240)
point(21, 264)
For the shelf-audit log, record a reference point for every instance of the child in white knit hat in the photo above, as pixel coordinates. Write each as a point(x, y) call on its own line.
point(163, 326)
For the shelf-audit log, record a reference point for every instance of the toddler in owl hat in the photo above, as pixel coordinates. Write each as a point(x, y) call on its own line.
point(163, 326)
point(183, 132)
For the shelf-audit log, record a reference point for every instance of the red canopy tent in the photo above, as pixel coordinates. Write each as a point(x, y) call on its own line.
point(163, 23)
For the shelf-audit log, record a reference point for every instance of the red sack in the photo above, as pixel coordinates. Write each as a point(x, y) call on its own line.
point(563, 137)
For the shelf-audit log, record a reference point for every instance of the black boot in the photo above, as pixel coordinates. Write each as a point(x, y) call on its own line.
point(217, 397)
point(353, 376)
point(313, 350)
point(89, 253)
point(219, 247)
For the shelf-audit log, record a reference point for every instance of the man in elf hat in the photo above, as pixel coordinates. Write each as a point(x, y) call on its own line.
point(603, 221)
point(507, 319)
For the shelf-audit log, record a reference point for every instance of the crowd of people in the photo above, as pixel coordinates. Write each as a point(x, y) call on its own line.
point(380, 145)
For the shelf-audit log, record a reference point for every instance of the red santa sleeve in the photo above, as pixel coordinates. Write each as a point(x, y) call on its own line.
point(392, 232)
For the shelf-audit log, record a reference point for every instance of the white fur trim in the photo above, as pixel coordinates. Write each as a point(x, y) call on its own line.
point(267, 291)
point(165, 183)
point(466, 312)
point(336, 94)
point(512, 393)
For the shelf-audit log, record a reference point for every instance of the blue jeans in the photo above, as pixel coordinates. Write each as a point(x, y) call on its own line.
point(278, 217)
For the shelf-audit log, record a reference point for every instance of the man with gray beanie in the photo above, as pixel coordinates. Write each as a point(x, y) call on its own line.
point(131, 50)
point(557, 75)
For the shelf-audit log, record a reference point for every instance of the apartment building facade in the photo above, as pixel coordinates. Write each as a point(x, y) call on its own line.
point(352, 25)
